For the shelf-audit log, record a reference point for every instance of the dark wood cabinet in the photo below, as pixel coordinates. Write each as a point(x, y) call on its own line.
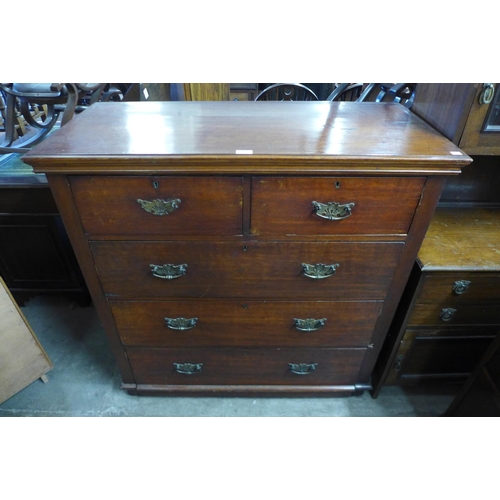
point(480, 394)
point(35, 252)
point(450, 310)
point(247, 248)
point(466, 113)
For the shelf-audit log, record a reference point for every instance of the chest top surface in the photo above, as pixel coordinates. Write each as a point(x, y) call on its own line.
point(232, 136)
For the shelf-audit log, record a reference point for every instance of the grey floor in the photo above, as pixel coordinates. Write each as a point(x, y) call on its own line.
point(85, 382)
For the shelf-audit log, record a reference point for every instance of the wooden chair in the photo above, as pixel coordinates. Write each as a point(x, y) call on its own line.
point(404, 93)
point(346, 92)
point(53, 98)
point(287, 92)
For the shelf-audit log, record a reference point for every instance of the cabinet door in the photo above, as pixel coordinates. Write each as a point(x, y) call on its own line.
point(482, 131)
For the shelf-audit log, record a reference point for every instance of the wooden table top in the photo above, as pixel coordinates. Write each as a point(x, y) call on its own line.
point(463, 239)
point(321, 135)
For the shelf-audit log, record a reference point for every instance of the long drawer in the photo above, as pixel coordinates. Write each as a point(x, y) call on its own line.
point(218, 323)
point(180, 206)
point(284, 205)
point(254, 269)
point(245, 366)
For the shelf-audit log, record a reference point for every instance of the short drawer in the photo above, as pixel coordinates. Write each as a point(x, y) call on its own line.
point(284, 205)
point(351, 271)
point(456, 288)
point(211, 323)
point(451, 314)
point(159, 206)
point(245, 366)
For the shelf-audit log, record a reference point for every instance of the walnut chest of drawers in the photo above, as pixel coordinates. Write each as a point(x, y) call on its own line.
point(246, 248)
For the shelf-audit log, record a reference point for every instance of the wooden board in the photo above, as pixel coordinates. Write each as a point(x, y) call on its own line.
point(22, 358)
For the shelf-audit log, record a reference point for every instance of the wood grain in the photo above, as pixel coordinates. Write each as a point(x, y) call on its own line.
point(270, 270)
point(245, 323)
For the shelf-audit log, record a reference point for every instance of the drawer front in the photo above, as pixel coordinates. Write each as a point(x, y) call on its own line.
point(245, 366)
point(245, 323)
point(284, 206)
point(187, 206)
point(463, 314)
point(229, 269)
point(430, 354)
point(457, 288)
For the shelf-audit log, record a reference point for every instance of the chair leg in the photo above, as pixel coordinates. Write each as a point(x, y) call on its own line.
point(69, 109)
point(10, 121)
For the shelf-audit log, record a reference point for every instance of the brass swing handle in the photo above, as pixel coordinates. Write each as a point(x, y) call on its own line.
point(159, 207)
point(181, 323)
point(188, 368)
point(309, 324)
point(319, 271)
point(332, 210)
point(302, 368)
point(168, 271)
point(447, 314)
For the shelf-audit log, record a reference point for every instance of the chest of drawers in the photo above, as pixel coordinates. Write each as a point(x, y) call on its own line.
point(246, 248)
point(450, 311)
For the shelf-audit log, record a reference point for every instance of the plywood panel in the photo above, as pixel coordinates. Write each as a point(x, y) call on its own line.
point(22, 358)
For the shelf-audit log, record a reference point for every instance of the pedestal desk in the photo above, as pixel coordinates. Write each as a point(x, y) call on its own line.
point(246, 247)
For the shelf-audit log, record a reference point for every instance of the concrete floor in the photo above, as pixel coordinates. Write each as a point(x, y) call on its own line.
point(85, 382)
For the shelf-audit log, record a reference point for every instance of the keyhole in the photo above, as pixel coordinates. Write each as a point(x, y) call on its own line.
point(155, 184)
point(245, 248)
point(337, 185)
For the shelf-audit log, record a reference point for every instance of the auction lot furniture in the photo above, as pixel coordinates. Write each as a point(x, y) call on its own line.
point(246, 247)
point(450, 310)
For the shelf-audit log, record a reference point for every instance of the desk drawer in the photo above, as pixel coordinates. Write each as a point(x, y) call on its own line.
point(236, 269)
point(456, 288)
point(191, 206)
point(284, 205)
point(245, 366)
point(451, 314)
point(245, 323)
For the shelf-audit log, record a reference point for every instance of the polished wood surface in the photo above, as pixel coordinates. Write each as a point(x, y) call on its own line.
point(229, 323)
point(381, 206)
point(272, 137)
point(245, 366)
point(456, 110)
point(271, 269)
point(207, 205)
point(246, 175)
point(445, 106)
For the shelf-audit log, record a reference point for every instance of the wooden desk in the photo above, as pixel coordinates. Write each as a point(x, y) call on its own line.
point(250, 247)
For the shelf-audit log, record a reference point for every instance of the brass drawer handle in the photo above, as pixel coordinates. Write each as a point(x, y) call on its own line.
point(487, 93)
point(332, 210)
point(181, 323)
point(188, 368)
point(302, 368)
point(160, 207)
point(168, 271)
point(460, 287)
point(447, 313)
point(319, 271)
point(309, 324)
